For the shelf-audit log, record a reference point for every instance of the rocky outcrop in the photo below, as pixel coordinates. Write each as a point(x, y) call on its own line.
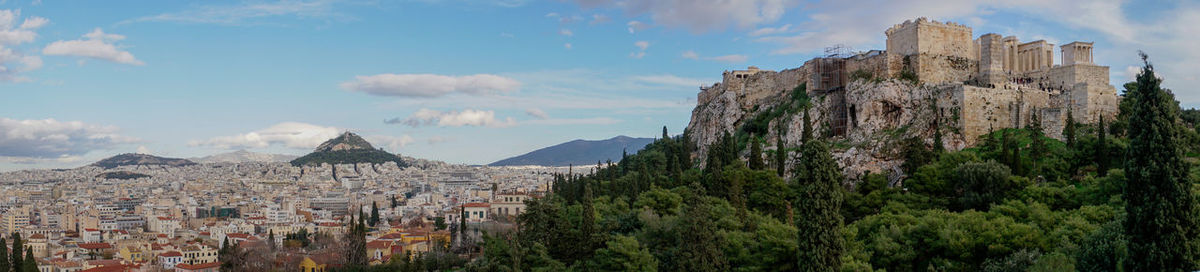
point(878, 114)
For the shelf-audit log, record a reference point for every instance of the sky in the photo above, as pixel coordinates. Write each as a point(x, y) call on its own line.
point(462, 81)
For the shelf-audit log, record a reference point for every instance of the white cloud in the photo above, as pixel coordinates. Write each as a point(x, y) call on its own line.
point(430, 85)
point(735, 58)
point(537, 113)
point(251, 13)
point(672, 80)
point(11, 35)
point(567, 45)
point(438, 139)
point(702, 15)
point(288, 134)
point(642, 45)
point(573, 121)
point(566, 32)
point(690, 55)
point(50, 138)
point(96, 45)
point(729, 58)
point(141, 149)
point(392, 143)
point(635, 26)
point(599, 19)
point(467, 117)
point(770, 30)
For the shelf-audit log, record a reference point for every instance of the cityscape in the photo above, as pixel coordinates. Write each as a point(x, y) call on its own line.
point(599, 135)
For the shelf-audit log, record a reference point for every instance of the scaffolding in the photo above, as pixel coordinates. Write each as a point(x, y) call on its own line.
point(830, 80)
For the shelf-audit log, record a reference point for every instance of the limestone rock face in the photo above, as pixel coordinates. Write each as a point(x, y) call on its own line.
point(878, 116)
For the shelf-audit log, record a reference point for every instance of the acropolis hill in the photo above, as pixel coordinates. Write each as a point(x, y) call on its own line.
point(932, 77)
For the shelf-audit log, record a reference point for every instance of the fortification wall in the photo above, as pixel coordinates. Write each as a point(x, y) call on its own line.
point(876, 65)
point(982, 109)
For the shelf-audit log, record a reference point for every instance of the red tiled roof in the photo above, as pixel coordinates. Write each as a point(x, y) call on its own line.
point(95, 245)
point(172, 254)
point(198, 266)
point(477, 205)
point(379, 244)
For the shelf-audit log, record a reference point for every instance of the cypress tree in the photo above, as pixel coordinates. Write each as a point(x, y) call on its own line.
point(807, 129)
point(1037, 146)
point(1006, 156)
point(819, 201)
point(15, 257)
point(1102, 148)
point(588, 225)
point(780, 152)
point(4, 262)
point(1018, 168)
point(756, 160)
point(374, 213)
point(700, 245)
point(1161, 217)
point(665, 136)
point(271, 239)
point(1069, 129)
point(30, 264)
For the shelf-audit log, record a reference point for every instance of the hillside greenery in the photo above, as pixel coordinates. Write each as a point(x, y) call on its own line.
point(1019, 201)
point(348, 157)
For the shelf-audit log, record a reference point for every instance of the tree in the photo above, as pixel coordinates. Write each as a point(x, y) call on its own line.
point(271, 239)
point(1069, 129)
point(818, 205)
point(700, 242)
point(16, 257)
point(30, 264)
point(356, 242)
point(394, 203)
point(1037, 146)
point(806, 132)
point(780, 153)
point(756, 160)
point(374, 214)
point(1102, 148)
point(981, 184)
point(623, 253)
point(665, 136)
point(439, 223)
point(1159, 206)
point(587, 226)
point(4, 262)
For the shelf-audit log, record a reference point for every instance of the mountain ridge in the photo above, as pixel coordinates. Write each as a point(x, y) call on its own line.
point(139, 159)
point(578, 152)
point(348, 148)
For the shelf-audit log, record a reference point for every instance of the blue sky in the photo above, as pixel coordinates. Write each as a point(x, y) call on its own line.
point(462, 81)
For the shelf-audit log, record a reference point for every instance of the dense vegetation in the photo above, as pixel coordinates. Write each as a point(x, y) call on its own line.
point(139, 159)
point(1018, 201)
point(348, 157)
point(123, 175)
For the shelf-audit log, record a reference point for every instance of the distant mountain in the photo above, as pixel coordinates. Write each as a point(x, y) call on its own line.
point(244, 156)
point(140, 159)
point(347, 149)
point(578, 152)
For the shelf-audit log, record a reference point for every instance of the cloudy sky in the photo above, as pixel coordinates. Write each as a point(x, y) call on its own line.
point(464, 81)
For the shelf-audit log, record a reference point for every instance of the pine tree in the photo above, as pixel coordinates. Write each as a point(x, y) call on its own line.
point(30, 264)
point(15, 257)
point(1102, 148)
point(819, 201)
point(1160, 212)
point(4, 261)
point(756, 160)
point(374, 214)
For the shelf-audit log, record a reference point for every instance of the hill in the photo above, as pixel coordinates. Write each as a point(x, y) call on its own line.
point(578, 152)
point(139, 159)
point(349, 148)
point(244, 156)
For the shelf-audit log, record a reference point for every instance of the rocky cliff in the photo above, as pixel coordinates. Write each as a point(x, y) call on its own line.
point(875, 116)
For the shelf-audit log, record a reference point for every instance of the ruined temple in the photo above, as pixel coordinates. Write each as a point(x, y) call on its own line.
point(933, 77)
